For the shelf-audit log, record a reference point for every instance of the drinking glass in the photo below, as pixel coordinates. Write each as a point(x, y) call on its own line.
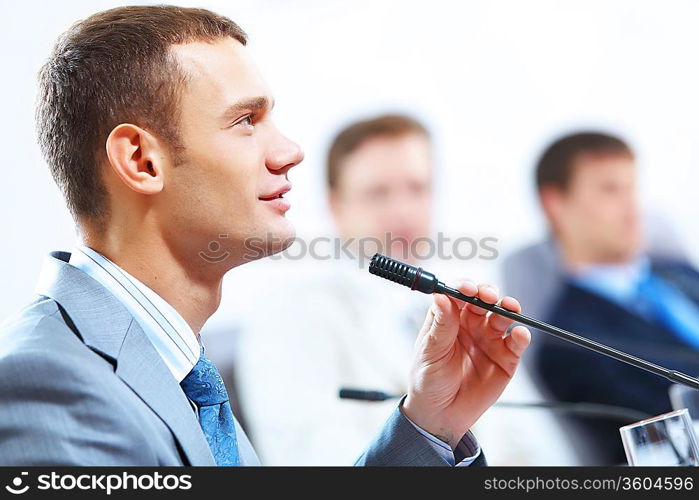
point(667, 439)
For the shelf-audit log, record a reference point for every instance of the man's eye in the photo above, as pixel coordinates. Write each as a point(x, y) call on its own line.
point(246, 122)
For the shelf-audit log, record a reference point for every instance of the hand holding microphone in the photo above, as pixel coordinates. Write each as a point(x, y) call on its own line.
point(463, 362)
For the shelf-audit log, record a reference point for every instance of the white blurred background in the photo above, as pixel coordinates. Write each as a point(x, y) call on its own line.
point(494, 80)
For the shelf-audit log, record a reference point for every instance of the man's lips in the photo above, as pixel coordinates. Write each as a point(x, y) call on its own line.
point(276, 199)
point(279, 193)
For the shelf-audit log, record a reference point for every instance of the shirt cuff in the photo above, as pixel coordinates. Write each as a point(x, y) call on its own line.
point(466, 452)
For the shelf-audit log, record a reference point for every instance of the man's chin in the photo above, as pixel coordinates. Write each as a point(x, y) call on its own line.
point(274, 240)
point(279, 244)
point(282, 236)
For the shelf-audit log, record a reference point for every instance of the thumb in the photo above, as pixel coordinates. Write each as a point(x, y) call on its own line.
point(441, 327)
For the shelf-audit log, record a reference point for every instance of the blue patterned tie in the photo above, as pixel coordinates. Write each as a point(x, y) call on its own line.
point(204, 386)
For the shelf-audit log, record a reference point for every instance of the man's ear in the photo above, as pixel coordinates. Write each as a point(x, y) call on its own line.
point(552, 199)
point(137, 157)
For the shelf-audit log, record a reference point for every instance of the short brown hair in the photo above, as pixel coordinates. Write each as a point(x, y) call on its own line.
point(353, 136)
point(555, 167)
point(114, 67)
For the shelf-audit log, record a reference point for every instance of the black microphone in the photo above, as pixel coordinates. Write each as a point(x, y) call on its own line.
point(418, 279)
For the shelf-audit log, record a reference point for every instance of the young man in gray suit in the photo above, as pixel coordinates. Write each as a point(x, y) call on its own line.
point(157, 126)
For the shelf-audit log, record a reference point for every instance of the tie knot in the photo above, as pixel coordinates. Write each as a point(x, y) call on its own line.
point(204, 384)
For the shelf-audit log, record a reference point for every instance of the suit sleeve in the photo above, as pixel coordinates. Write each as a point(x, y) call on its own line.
point(400, 444)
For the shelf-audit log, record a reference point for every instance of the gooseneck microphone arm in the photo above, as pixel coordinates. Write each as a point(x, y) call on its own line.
point(418, 279)
point(583, 409)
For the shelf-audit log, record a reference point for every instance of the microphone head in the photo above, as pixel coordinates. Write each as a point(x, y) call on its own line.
point(404, 274)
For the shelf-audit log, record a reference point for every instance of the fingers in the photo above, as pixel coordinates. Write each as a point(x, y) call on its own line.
point(467, 287)
point(477, 317)
point(518, 340)
point(487, 293)
point(485, 331)
point(474, 319)
point(481, 325)
point(496, 323)
point(501, 323)
point(440, 327)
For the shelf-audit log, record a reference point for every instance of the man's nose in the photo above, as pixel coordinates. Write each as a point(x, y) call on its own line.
point(285, 155)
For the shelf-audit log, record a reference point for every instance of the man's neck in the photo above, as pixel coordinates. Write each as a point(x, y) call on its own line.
point(576, 261)
point(192, 293)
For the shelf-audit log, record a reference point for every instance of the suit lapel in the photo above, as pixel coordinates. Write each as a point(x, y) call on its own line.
point(97, 317)
point(107, 327)
point(139, 366)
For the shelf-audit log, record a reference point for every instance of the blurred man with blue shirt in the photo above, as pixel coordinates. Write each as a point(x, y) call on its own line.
point(612, 290)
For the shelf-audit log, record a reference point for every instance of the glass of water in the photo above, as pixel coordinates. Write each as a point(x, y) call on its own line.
point(667, 439)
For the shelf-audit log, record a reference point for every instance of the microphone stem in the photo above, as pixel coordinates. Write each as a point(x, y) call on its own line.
point(672, 375)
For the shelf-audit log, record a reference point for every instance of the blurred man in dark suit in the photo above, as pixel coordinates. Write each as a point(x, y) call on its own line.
point(612, 291)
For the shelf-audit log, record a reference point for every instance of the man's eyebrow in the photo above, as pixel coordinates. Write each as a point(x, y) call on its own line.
point(254, 103)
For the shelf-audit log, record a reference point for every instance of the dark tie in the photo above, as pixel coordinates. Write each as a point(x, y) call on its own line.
point(204, 386)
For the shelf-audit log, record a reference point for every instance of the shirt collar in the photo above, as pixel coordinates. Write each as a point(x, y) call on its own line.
point(167, 330)
point(618, 282)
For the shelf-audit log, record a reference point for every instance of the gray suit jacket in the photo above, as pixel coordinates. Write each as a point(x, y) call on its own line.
point(81, 384)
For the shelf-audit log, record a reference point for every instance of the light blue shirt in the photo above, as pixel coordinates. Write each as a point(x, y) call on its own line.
point(634, 287)
point(179, 347)
point(615, 282)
